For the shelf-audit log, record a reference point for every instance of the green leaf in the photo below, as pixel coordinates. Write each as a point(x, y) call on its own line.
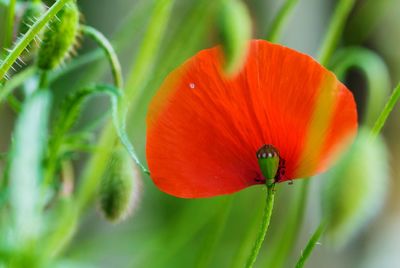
point(26, 165)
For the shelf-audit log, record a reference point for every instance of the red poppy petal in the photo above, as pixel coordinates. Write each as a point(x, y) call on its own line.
point(204, 129)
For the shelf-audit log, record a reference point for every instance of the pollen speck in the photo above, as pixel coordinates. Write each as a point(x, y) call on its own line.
point(192, 85)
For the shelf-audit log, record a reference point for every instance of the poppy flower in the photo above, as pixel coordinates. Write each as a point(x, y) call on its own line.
point(206, 131)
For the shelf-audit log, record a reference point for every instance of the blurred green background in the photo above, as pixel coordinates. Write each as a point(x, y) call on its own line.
point(169, 232)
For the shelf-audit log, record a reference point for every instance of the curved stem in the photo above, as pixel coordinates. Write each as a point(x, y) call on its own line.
point(375, 73)
point(335, 30)
point(310, 245)
point(29, 36)
point(280, 19)
point(264, 226)
point(380, 122)
point(112, 57)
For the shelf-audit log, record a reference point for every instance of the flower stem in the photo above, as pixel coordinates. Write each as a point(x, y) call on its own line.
point(280, 19)
point(43, 79)
point(264, 226)
point(289, 232)
point(311, 244)
point(380, 122)
point(111, 55)
point(335, 30)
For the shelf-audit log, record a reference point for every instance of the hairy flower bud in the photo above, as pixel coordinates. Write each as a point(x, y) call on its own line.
point(234, 27)
point(59, 38)
point(119, 188)
point(355, 188)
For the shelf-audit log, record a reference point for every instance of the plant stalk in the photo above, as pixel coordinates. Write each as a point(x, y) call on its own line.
point(335, 30)
point(264, 226)
point(310, 245)
point(380, 122)
point(111, 55)
point(280, 20)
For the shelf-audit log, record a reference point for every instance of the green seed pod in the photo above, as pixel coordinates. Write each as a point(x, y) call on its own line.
point(234, 26)
point(268, 160)
point(355, 189)
point(119, 188)
point(59, 38)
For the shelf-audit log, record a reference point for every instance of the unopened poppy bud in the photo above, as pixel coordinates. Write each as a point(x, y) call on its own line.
point(234, 27)
point(119, 188)
point(355, 188)
point(268, 160)
point(59, 37)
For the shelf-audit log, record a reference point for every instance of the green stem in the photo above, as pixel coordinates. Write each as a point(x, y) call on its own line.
point(264, 226)
point(289, 233)
point(43, 79)
point(335, 30)
point(10, 24)
point(310, 245)
point(111, 55)
point(147, 54)
point(280, 20)
point(29, 36)
point(380, 122)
